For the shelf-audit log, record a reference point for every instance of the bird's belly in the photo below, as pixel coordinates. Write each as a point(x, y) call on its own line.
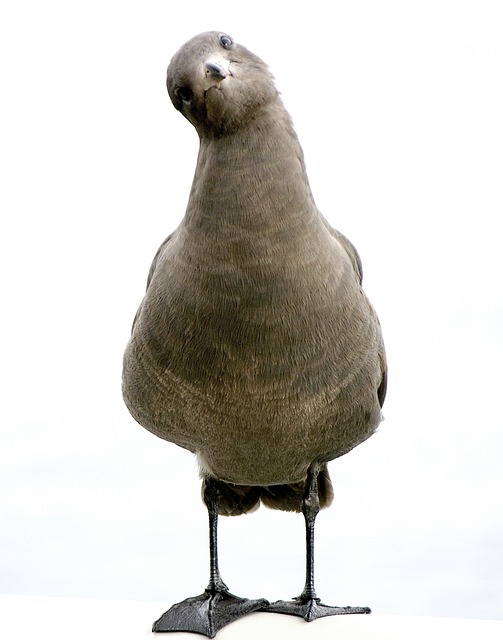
point(266, 448)
point(253, 417)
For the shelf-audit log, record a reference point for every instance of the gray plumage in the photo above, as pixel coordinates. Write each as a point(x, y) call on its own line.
point(255, 346)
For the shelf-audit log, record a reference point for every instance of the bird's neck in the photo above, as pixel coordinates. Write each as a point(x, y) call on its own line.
point(254, 179)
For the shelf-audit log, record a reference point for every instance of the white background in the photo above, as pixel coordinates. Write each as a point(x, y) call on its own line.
point(399, 108)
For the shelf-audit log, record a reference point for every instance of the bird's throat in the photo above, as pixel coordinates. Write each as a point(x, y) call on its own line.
point(254, 179)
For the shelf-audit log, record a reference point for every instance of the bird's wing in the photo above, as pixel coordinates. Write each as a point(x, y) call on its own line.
point(357, 266)
point(156, 258)
point(349, 248)
point(151, 273)
point(381, 391)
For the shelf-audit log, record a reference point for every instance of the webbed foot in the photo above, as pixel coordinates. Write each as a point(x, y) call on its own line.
point(310, 608)
point(207, 613)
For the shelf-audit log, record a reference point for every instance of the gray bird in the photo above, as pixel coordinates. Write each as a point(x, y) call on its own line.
point(255, 346)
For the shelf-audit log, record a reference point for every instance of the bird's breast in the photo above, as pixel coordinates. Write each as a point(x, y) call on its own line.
point(221, 349)
point(225, 317)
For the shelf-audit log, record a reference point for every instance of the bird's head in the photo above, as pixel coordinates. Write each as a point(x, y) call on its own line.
point(218, 85)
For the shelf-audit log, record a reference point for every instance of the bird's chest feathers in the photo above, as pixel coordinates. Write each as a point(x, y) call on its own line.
point(234, 314)
point(252, 284)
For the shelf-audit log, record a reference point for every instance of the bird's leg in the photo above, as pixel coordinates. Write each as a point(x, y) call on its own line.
point(310, 509)
point(308, 605)
point(211, 499)
point(216, 607)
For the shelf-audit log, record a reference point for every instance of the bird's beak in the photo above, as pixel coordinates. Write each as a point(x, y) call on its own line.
point(216, 70)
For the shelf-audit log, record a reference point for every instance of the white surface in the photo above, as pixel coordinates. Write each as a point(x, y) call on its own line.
point(398, 106)
point(72, 619)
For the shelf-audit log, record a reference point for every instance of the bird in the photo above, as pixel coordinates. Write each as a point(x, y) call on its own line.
point(255, 346)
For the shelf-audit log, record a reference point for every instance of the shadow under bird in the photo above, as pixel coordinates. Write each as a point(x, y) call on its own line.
point(255, 346)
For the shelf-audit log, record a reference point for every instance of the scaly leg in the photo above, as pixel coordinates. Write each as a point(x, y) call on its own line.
point(308, 605)
point(216, 607)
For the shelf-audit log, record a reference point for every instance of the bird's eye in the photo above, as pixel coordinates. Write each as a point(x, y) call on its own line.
point(226, 41)
point(184, 93)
